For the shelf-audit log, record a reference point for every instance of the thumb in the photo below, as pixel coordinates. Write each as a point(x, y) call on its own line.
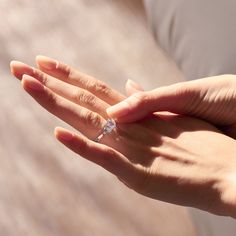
point(177, 98)
point(132, 87)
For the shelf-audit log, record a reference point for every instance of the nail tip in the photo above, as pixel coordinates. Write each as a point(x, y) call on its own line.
point(17, 64)
point(12, 62)
point(38, 57)
point(64, 135)
point(31, 83)
point(56, 131)
point(46, 62)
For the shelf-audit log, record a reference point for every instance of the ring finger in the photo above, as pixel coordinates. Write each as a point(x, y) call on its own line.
point(87, 122)
point(75, 94)
point(72, 76)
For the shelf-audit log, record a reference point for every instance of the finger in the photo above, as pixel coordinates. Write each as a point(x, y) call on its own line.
point(84, 120)
point(77, 95)
point(100, 154)
point(131, 87)
point(18, 69)
point(68, 74)
point(179, 98)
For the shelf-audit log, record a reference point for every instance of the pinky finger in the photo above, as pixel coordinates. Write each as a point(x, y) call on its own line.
point(104, 156)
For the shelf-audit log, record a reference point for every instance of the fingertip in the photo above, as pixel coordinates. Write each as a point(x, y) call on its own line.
point(24, 81)
point(46, 63)
point(63, 135)
point(19, 68)
point(17, 64)
point(39, 56)
point(29, 82)
point(56, 131)
point(134, 85)
point(14, 65)
point(37, 59)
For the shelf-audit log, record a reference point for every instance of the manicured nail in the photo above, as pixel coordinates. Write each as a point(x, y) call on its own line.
point(47, 63)
point(18, 69)
point(134, 84)
point(119, 110)
point(63, 134)
point(32, 83)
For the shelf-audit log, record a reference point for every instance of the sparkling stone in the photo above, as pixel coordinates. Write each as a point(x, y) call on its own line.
point(109, 126)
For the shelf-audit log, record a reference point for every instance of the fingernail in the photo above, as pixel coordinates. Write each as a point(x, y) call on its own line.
point(18, 69)
point(134, 84)
point(63, 134)
point(32, 83)
point(119, 110)
point(47, 63)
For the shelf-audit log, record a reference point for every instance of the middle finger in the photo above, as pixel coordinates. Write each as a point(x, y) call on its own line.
point(87, 122)
point(73, 93)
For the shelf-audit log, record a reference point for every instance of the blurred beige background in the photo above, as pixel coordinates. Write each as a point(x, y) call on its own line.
point(46, 189)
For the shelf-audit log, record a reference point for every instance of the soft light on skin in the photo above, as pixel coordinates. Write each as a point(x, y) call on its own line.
point(47, 63)
point(179, 149)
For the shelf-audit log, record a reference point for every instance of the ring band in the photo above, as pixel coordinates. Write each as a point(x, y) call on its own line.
point(108, 128)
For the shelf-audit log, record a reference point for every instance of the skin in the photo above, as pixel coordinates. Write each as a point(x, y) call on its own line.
point(173, 158)
point(212, 99)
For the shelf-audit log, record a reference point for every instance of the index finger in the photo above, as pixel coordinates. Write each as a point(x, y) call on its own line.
point(72, 76)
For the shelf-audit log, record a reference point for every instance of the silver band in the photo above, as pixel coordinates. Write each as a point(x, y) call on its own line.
point(108, 128)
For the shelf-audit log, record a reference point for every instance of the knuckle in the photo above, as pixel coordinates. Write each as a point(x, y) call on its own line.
point(81, 96)
point(63, 67)
point(51, 101)
point(65, 70)
point(77, 95)
point(101, 88)
point(184, 90)
point(43, 78)
point(93, 119)
point(111, 153)
point(109, 158)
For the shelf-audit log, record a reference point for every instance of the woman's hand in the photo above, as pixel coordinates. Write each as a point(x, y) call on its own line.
point(212, 99)
point(175, 159)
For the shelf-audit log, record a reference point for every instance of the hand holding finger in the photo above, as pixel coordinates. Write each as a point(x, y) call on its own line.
point(171, 98)
point(212, 99)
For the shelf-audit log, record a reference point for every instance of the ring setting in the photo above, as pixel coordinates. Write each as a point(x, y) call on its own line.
point(107, 129)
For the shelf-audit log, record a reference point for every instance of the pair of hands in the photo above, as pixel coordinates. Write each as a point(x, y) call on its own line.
point(174, 158)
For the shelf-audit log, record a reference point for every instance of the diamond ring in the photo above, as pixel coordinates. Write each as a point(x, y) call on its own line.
point(108, 128)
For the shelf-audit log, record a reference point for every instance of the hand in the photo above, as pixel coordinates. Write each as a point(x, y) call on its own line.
point(212, 99)
point(175, 159)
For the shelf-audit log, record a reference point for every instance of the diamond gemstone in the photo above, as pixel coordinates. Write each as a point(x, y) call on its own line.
point(109, 126)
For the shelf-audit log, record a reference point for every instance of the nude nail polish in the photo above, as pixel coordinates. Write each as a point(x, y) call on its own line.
point(32, 83)
point(64, 135)
point(47, 62)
